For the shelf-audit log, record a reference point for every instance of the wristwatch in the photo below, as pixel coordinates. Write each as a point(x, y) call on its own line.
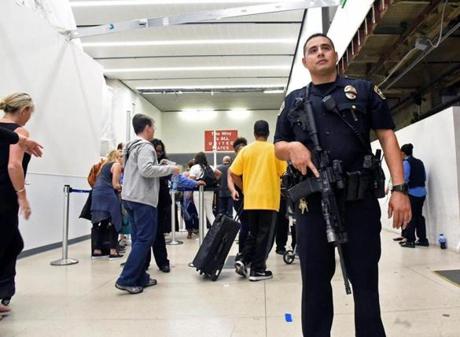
point(403, 188)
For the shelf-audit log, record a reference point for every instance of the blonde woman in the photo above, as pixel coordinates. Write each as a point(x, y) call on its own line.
point(106, 206)
point(18, 109)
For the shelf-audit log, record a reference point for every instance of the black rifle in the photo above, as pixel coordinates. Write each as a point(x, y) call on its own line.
point(330, 180)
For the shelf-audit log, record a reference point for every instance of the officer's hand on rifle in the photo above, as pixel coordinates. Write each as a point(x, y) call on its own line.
point(300, 157)
point(399, 208)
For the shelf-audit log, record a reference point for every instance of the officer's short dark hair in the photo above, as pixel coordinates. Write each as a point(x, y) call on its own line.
point(317, 35)
point(140, 121)
point(261, 129)
point(407, 149)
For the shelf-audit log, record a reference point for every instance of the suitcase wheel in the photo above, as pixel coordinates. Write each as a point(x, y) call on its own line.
point(216, 274)
point(289, 257)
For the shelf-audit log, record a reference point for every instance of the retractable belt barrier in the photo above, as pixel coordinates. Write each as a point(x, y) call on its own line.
point(65, 260)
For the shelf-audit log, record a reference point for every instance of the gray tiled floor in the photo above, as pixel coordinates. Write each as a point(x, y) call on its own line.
point(80, 300)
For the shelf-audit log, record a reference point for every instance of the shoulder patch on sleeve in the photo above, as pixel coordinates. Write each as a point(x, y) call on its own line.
point(379, 92)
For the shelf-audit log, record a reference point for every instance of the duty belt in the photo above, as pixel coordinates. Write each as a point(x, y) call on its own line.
point(358, 185)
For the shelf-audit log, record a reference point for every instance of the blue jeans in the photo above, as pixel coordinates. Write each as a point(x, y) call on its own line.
point(143, 219)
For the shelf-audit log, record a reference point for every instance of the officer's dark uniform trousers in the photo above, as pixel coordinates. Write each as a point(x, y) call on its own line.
point(363, 107)
point(362, 253)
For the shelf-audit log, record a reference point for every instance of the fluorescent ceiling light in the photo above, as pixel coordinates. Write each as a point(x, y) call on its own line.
point(205, 68)
point(166, 2)
point(238, 114)
point(197, 115)
point(186, 42)
point(273, 91)
point(211, 87)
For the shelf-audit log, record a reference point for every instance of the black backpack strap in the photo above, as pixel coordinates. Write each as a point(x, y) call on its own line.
point(128, 150)
point(355, 132)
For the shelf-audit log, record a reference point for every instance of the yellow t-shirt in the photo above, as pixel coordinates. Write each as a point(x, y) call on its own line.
point(261, 172)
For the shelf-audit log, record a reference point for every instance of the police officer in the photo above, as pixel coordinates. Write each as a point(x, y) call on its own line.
point(361, 105)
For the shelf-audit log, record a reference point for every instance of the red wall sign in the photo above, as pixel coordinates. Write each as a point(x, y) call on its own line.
point(224, 140)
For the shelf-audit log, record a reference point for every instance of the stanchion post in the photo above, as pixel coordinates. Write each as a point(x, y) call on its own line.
point(179, 216)
point(173, 241)
point(64, 261)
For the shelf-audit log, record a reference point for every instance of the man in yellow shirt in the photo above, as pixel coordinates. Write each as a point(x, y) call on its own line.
point(261, 188)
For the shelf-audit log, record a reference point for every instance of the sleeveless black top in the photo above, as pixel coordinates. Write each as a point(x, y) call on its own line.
point(8, 196)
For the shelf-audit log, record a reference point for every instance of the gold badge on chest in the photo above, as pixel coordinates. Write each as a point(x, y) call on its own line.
point(350, 92)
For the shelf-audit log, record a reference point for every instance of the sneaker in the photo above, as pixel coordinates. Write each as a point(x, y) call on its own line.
point(150, 283)
point(422, 243)
point(166, 268)
point(4, 310)
point(260, 275)
point(240, 269)
point(115, 256)
point(130, 289)
point(98, 256)
point(408, 244)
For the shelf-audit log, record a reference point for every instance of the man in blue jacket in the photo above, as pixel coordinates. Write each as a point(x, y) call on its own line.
point(415, 177)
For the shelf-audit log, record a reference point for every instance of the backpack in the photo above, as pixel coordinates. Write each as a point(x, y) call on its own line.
point(208, 176)
point(94, 172)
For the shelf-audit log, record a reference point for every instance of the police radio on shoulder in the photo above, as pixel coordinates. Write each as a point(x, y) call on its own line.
point(403, 188)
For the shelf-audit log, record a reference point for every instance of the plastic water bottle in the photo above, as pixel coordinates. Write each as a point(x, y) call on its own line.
point(442, 241)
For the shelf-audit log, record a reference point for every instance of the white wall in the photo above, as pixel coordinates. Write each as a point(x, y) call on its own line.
point(122, 107)
point(343, 27)
point(436, 142)
point(76, 115)
point(67, 87)
point(346, 22)
point(313, 24)
point(182, 136)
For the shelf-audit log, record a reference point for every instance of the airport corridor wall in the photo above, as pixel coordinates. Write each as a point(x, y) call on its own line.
point(185, 137)
point(436, 142)
point(68, 89)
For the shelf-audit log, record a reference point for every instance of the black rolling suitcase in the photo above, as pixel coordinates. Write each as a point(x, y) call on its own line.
point(211, 256)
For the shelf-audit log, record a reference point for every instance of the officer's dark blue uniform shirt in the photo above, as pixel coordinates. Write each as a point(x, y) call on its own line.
point(364, 111)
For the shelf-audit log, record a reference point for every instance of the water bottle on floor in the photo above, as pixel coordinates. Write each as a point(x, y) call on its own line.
point(442, 241)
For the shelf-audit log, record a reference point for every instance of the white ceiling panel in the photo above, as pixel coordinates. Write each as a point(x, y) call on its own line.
point(203, 32)
point(209, 74)
point(236, 59)
point(86, 16)
point(253, 39)
point(228, 61)
point(250, 101)
point(189, 51)
point(203, 82)
point(248, 66)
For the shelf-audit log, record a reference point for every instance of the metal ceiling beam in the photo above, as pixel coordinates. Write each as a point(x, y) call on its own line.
point(199, 17)
point(403, 38)
point(421, 57)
